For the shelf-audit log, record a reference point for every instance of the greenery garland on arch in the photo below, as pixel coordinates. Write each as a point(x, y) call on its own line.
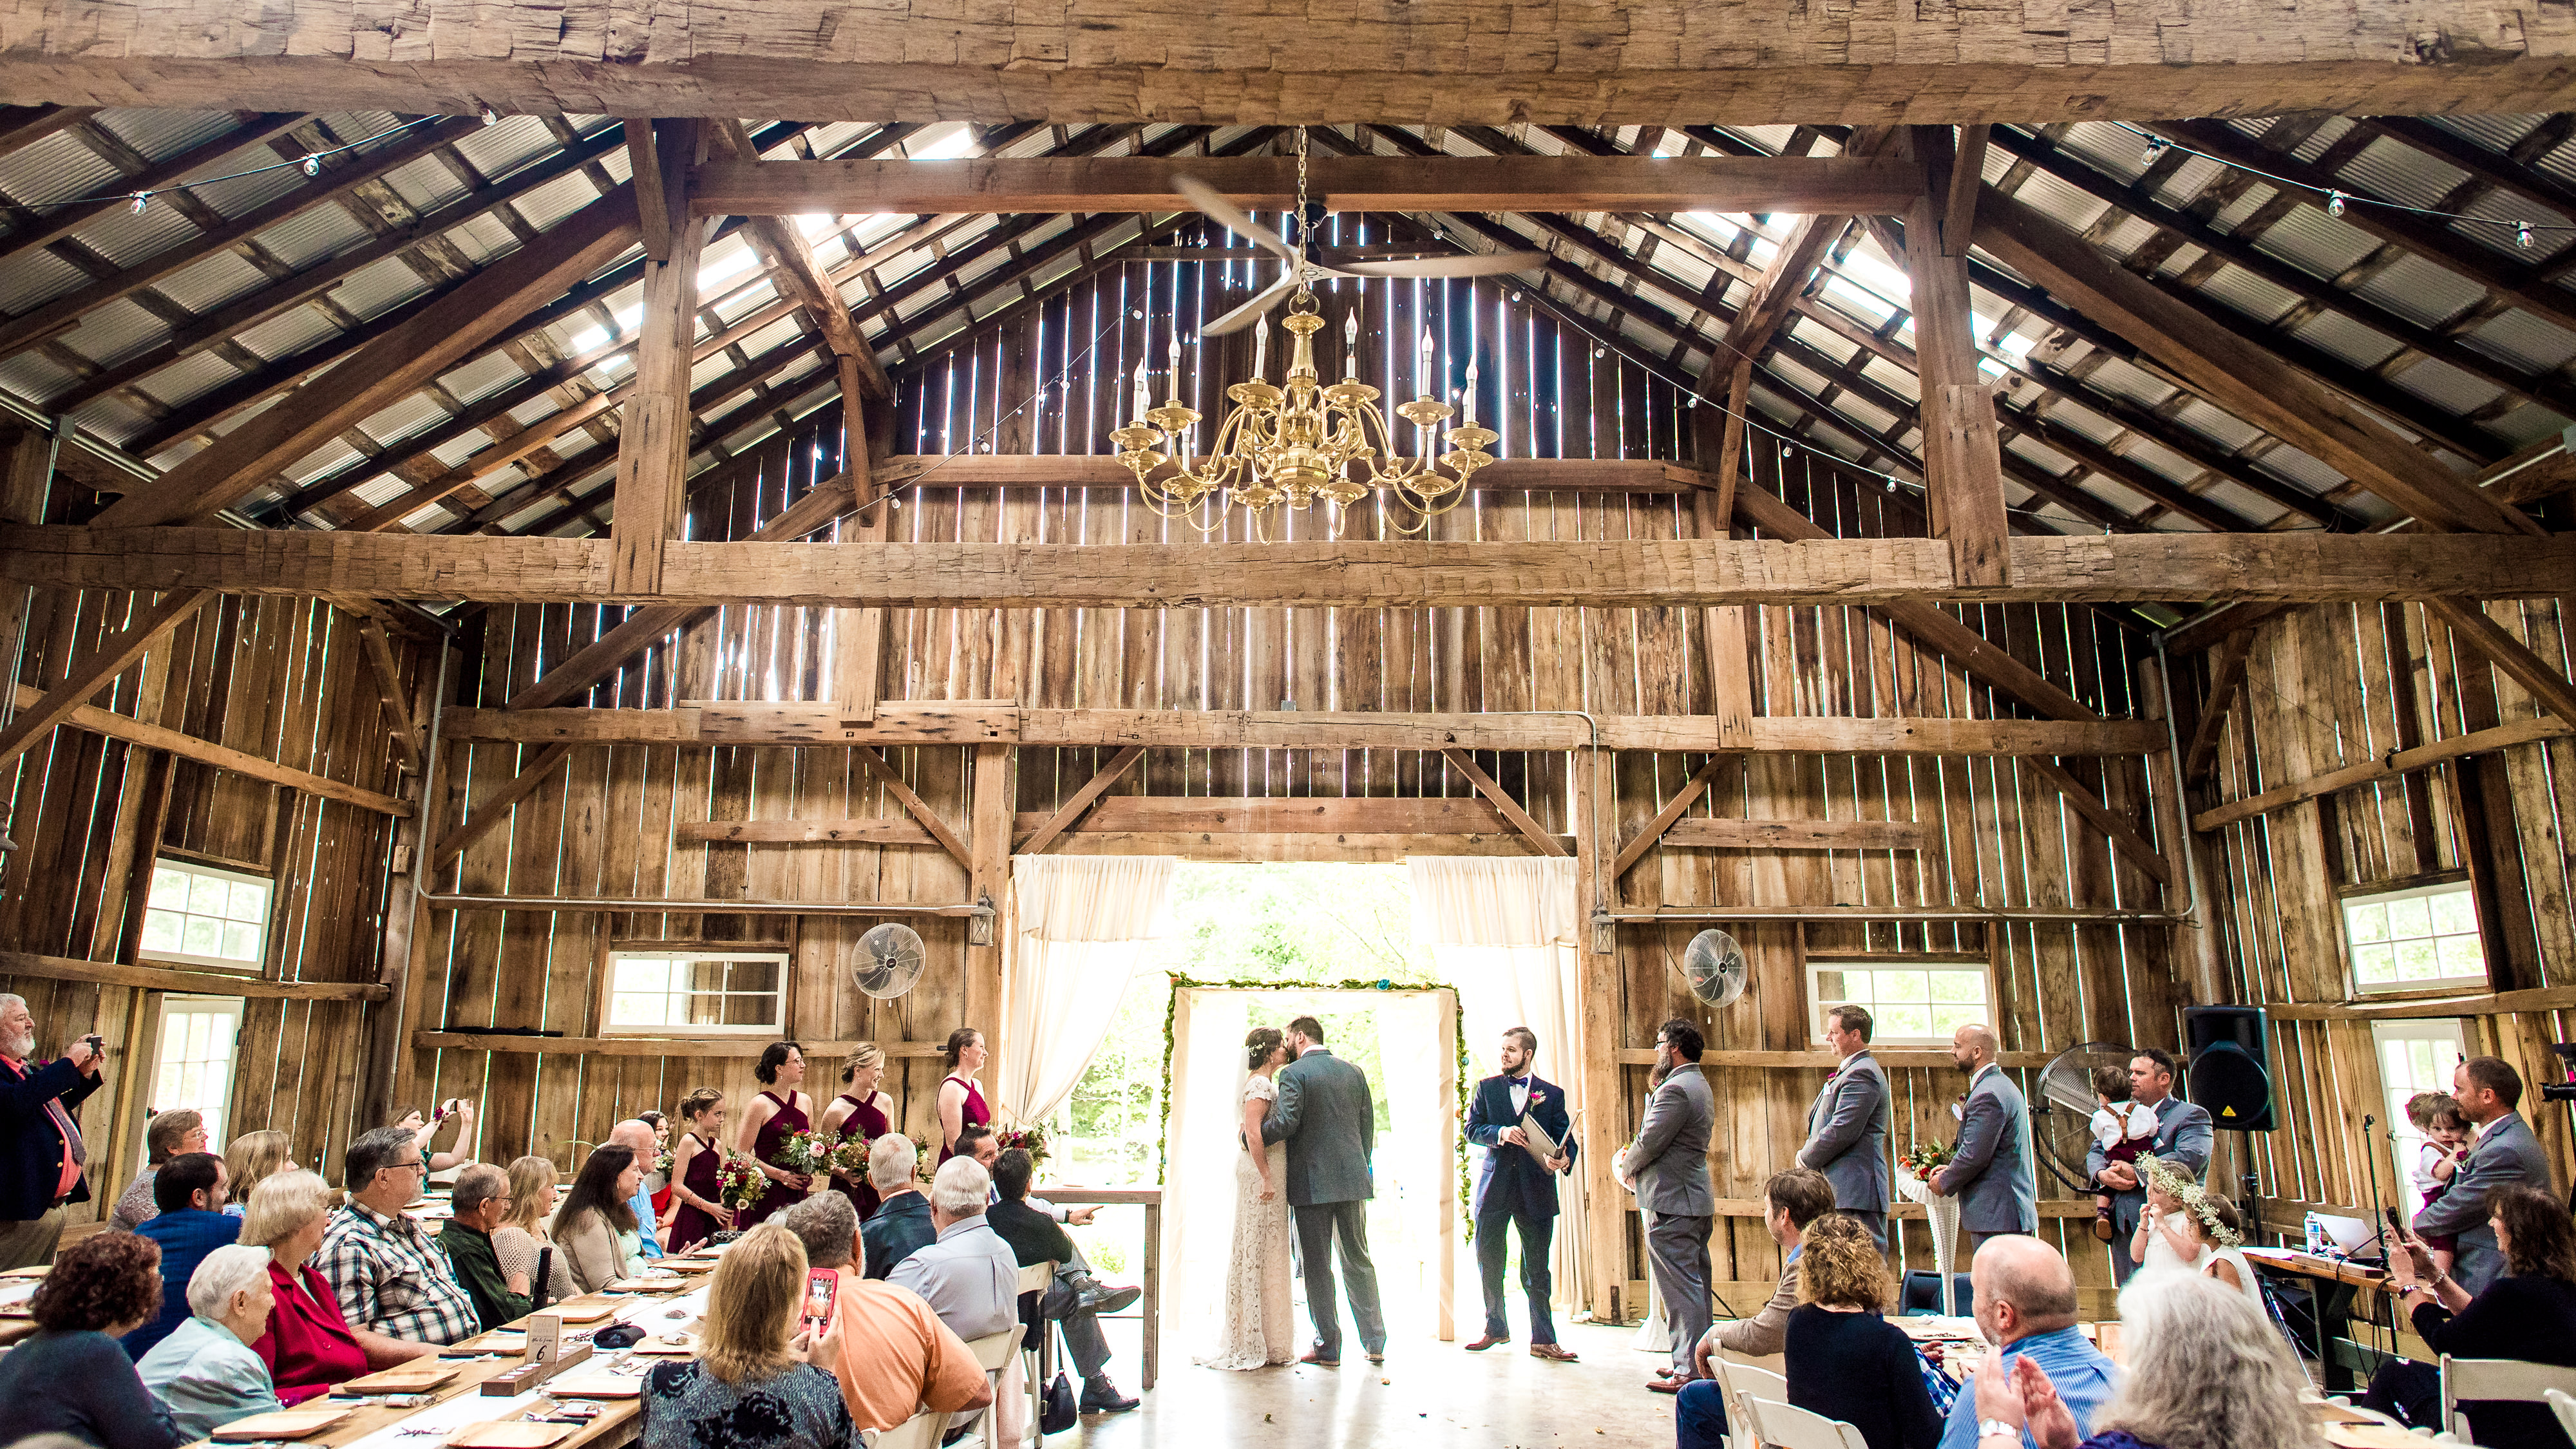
point(1171, 1021)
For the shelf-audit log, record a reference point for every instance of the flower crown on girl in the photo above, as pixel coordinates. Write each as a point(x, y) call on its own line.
point(2183, 1188)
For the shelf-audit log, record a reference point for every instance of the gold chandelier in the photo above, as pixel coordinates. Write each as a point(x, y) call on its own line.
point(1306, 441)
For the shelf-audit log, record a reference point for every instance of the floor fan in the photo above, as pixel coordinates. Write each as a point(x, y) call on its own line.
point(2062, 1108)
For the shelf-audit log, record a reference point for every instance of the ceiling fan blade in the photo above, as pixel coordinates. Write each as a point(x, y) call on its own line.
point(1214, 204)
point(1250, 312)
point(1478, 266)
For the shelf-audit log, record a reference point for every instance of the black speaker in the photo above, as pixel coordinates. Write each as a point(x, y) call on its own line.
point(2229, 1076)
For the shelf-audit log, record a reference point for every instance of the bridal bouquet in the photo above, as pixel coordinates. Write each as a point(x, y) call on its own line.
point(740, 1183)
point(1031, 1140)
point(1924, 1158)
point(807, 1152)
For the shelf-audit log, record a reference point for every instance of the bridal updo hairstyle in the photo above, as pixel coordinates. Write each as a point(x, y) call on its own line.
point(958, 1040)
point(1258, 1046)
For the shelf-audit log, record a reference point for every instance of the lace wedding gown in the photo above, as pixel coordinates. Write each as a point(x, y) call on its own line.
point(1260, 1326)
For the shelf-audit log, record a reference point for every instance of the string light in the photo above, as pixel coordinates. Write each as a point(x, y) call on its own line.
point(2156, 146)
point(2336, 200)
point(491, 117)
point(2334, 203)
point(310, 165)
point(142, 199)
point(2522, 234)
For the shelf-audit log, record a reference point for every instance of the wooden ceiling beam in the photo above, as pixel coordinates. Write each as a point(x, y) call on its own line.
point(97, 666)
point(2226, 677)
point(1043, 835)
point(1670, 573)
point(2472, 625)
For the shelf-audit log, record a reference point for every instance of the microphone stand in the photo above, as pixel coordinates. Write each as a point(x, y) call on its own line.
point(2379, 1228)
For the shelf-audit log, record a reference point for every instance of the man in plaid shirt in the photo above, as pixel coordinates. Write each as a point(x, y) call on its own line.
point(390, 1274)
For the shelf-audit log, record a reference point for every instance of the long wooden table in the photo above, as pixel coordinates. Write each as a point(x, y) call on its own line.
point(2334, 1287)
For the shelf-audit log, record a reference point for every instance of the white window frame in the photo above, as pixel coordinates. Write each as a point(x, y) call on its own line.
point(610, 1026)
point(2353, 946)
point(250, 966)
point(214, 1096)
point(1818, 1003)
point(2448, 1036)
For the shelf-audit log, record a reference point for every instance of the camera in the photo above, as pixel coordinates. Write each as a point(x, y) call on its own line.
point(2562, 1091)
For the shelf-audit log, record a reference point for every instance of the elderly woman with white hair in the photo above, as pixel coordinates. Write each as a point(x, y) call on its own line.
point(205, 1373)
point(2203, 1370)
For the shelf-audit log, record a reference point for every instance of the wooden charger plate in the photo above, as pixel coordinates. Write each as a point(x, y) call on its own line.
point(2370, 1436)
point(410, 1378)
point(37, 1271)
point(499, 1340)
point(512, 1434)
point(661, 1284)
point(284, 1424)
point(580, 1312)
point(590, 1383)
point(661, 1348)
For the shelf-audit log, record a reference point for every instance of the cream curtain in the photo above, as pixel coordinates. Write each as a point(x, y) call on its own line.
point(1078, 925)
point(1503, 932)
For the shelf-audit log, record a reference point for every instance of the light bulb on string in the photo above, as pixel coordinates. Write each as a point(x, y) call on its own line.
point(142, 199)
point(491, 117)
point(2156, 146)
point(2522, 234)
point(312, 165)
point(2334, 203)
point(1891, 483)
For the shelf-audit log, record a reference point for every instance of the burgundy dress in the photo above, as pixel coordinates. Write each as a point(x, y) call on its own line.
point(785, 1123)
point(691, 1225)
point(974, 1114)
point(865, 1124)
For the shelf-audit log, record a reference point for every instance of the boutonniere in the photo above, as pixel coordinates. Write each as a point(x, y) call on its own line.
point(1537, 1097)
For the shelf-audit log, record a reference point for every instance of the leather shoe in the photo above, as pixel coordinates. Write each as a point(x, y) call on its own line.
point(1488, 1341)
point(1317, 1357)
point(1100, 1396)
point(1377, 1355)
point(1553, 1351)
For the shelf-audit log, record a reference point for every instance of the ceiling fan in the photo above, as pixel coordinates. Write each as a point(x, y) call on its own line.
point(1304, 269)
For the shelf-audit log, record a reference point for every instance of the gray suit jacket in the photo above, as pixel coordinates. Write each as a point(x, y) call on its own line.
point(2183, 1134)
point(2505, 1154)
point(1325, 1116)
point(1669, 1159)
point(1847, 1135)
point(1992, 1174)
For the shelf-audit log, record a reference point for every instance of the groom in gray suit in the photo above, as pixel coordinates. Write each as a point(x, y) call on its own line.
point(1325, 1116)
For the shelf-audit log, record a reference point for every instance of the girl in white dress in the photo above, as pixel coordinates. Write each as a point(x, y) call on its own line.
point(2187, 1229)
point(1260, 1322)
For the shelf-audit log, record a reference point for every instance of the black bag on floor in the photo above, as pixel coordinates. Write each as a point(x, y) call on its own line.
point(1060, 1409)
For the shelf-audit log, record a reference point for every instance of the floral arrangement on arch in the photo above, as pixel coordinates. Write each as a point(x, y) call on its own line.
point(740, 1183)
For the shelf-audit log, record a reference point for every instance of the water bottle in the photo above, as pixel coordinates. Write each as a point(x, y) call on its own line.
point(2316, 1236)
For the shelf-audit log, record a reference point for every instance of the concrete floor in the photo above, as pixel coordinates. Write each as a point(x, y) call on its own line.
point(1426, 1393)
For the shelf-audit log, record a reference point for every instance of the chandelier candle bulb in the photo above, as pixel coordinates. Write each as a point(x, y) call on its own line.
point(1467, 403)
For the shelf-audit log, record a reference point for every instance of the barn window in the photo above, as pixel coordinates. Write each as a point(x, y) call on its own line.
point(1910, 1003)
point(202, 916)
point(2418, 939)
point(696, 993)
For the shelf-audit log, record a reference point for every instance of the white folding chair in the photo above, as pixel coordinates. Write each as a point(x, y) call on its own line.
point(921, 1431)
point(1786, 1426)
point(1740, 1383)
point(993, 1351)
point(1037, 1278)
point(2472, 1379)
point(2563, 1404)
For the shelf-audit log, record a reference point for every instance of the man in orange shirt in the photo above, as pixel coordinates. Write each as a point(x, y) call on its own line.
point(896, 1356)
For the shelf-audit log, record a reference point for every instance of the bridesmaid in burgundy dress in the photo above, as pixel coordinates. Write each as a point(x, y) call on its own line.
point(859, 1115)
point(767, 1124)
point(696, 1172)
point(960, 1100)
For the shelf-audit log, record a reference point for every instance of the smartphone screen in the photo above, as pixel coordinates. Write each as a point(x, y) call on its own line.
point(822, 1293)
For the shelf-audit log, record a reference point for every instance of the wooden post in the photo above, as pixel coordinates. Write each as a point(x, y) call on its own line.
point(653, 444)
point(1962, 452)
point(1605, 1124)
point(1723, 630)
point(989, 841)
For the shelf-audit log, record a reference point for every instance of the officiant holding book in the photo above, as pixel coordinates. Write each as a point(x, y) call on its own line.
point(1521, 1122)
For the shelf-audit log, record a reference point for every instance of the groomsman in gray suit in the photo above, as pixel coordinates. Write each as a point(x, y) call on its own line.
point(1324, 1115)
point(1667, 1167)
point(1847, 1128)
point(2489, 1092)
point(1991, 1174)
point(2183, 1135)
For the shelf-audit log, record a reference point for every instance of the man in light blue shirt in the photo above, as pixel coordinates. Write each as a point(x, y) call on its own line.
point(647, 1147)
point(968, 1275)
point(2026, 1304)
point(204, 1372)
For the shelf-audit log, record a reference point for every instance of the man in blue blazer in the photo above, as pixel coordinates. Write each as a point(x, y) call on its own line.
point(190, 1191)
point(1514, 1189)
point(42, 1159)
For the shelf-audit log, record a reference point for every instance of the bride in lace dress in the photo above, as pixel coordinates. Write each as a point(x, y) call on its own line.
point(1260, 1323)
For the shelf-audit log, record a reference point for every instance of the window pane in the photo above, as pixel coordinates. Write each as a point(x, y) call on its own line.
point(2453, 912)
point(2374, 964)
point(2367, 923)
point(2462, 956)
point(203, 937)
point(170, 888)
point(246, 901)
point(635, 1008)
point(2418, 961)
point(206, 895)
point(1906, 986)
point(1906, 1020)
point(1835, 988)
point(755, 976)
point(241, 942)
point(650, 973)
point(1959, 986)
point(161, 930)
point(2410, 918)
point(747, 1010)
point(1948, 1019)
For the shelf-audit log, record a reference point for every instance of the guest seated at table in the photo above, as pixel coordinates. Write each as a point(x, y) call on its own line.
point(524, 1228)
point(644, 1140)
point(249, 1161)
point(71, 1376)
point(2529, 1313)
point(1035, 1238)
point(1845, 1360)
point(386, 1268)
point(180, 1130)
point(895, 1353)
point(968, 1276)
point(481, 1202)
point(310, 1344)
point(750, 1387)
point(2203, 1370)
point(206, 1373)
point(596, 1227)
point(189, 1192)
point(2025, 1297)
point(901, 1225)
point(1792, 1199)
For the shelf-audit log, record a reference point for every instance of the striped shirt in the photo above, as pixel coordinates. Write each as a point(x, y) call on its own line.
point(391, 1276)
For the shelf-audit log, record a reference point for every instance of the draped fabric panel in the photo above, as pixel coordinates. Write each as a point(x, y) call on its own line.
point(1078, 926)
point(1503, 931)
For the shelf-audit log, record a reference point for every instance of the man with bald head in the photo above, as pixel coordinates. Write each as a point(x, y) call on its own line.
point(2026, 1306)
point(647, 1146)
point(1991, 1174)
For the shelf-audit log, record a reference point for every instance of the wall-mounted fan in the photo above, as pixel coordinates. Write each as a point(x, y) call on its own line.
point(889, 960)
point(1714, 966)
point(2061, 1110)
